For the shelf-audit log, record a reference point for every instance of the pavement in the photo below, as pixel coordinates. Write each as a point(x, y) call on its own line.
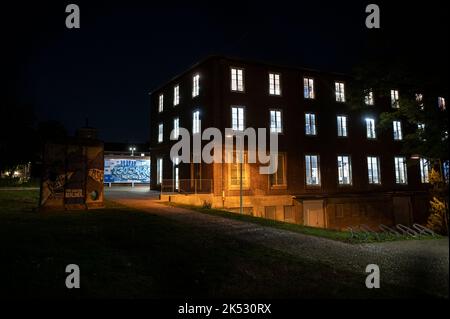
point(417, 264)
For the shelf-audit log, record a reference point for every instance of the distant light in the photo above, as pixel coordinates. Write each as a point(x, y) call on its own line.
point(142, 154)
point(415, 156)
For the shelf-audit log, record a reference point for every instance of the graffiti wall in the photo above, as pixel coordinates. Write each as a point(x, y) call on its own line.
point(127, 170)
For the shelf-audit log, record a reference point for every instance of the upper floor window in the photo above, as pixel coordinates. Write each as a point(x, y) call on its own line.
point(176, 95)
point(237, 80)
point(310, 124)
point(196, 85)
point(196, 122)
point(308, 88)
point(425, 169)
point(161, 103)
point(276, 121)
point(274, 84)
point(394, 99)
point(373, 169)
point(397, 129)
point(401, 176)
point(237, 118)
point(368, 98)
point(279, 177)
point(441, 103)
point(312, 170)
point(419, 100)
point(342, 126)
point(370, 128)
point(344, 170)
point(176, 128)
point(340, 91)
point(160, 132)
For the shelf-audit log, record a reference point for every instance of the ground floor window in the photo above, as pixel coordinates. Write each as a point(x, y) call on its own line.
point(159, 170)
point(312, 170)
point(401, 175)
point(279, 178)
point(234, 171)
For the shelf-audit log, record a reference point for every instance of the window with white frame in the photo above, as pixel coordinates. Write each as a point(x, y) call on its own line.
point(312, 170)
point(310, 124)
point(441, 103)
point(176, 162)
point(276, 125)
point(419, 100)
point(344, 170)
point(339, 91)
point(397, 130)
point(342, 126)
point(370, 128)
point(237, 80)
point(279, 177)
point(401, 175)
point(159, 170)
point(373, 169)
point(308, 88)
point(274, 84)
point(368, 98)
point(196, 122)
point(237, 118)
point(176, 128)
point(425, 169)
point(176, 95)
point(394, 99)
point(161, 103)
point(196, 85)
point(160, 132)
point(234, 171)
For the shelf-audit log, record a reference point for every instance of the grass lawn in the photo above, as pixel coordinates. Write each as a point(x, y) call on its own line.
point(124, 253)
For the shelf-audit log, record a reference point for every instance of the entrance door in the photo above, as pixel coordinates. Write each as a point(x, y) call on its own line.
point(313, 213)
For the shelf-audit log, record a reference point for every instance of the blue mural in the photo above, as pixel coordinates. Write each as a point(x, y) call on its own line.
point(127, 171)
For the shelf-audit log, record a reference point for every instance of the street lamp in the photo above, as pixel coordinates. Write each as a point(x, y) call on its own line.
point(132, 149)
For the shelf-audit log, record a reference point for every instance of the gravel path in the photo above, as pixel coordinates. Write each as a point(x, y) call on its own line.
point(419, 264)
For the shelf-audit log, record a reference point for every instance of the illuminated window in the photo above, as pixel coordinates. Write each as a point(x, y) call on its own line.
point(279, 177)
point(176, 128)
point(274, 84)
point(342, 126)
point(401, 176)
point(368, 99)
point(340, 91)
point(237, 80)
point(308, 88)
point(159, 170)
point(441, 103)
point(275, 121)
point(397, 129)
point(161, 103)
point(373, 169)
point(312, 170)
point(394, 99)
point(160, 133)
point(196, 122)
point(419, 100)
point(370, 128)
point(176, 95)
point(425, 169)
point(344, 170)
point(237, 118)
point(234, 171)
point(310, 124)
point(196, 85)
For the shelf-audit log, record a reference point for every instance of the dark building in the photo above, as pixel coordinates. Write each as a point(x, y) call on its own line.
point(335, 169)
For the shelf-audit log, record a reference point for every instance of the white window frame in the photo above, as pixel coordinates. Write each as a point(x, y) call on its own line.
point(196, 85)
point(310, 124)
point(273, 179)
point(395, 99)
point(160, 132)
point(339, 88)
point(373, 165)
point(159, 170)
point(425, 169)
point(310, 171)
point(176, 128)
point(368, 98)
point(196, 122)
point(237, 79)
point(308, 88)
point(344, 165)
point(441, 103)
point(276, 121)
point(274, 83)
point(176, 95)
point(370, 128)
point(238, 118)
point(161, 103)
point(342, 127)
point(401, 170)
point(397, 130)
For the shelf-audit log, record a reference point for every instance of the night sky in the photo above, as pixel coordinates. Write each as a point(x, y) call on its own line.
point(105, 70)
